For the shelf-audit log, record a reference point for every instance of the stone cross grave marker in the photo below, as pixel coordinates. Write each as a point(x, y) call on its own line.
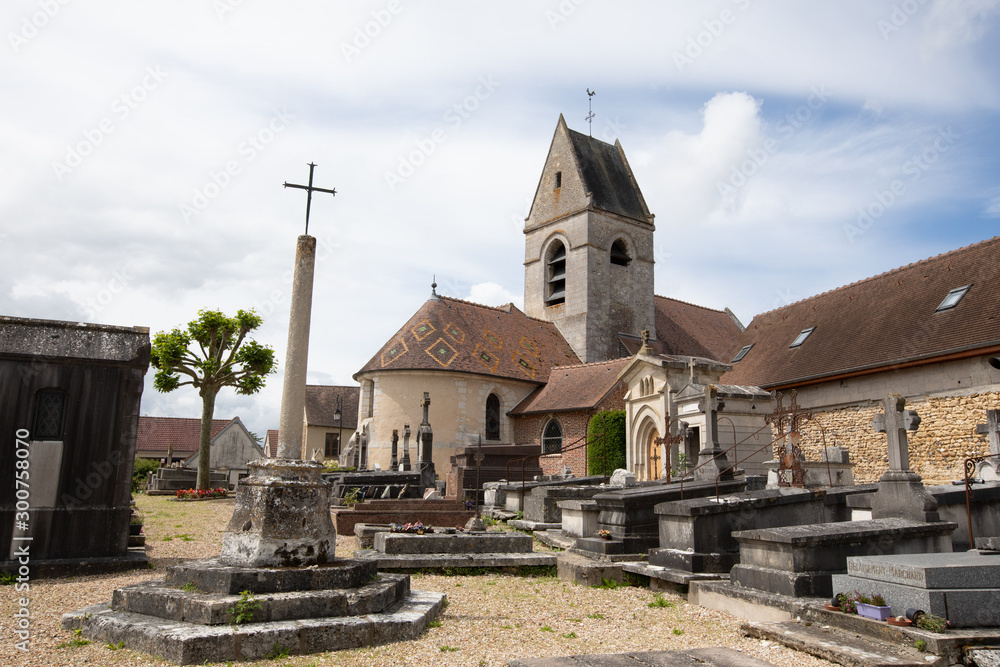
point(895, 422)
point(404, 465)
point(478, 457)
point(424, 434)
point(395, 449)
point(991, 429)
point(712, 462)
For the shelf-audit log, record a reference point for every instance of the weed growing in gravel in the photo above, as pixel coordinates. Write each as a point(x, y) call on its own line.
point(596, 615)
point(167, 538)
point(114, 647)
point(610, 584)
point(569, 635)
point(575, 620)
point(660, 601)
point(448, 649)
point(7, 578)
point(243, 609)
point(547, 628)
point(76, 641)
point(435, 624)
point(678, 631)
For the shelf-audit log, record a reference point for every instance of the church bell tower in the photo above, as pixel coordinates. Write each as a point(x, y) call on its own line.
point(588, 264)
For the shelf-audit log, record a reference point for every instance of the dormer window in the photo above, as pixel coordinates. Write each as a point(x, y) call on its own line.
point(558, 180)
point(801, 338)
point(953, 298)
point(555, 288)
point(742, 353)
point(619, 254)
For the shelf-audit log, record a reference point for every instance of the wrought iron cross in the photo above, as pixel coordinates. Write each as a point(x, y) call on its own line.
point(590, 110)
point(309, 192)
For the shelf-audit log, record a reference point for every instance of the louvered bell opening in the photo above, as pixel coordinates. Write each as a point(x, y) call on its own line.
point(558, 274)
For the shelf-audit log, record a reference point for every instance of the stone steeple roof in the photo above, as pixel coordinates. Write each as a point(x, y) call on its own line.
point(886, 322)
point(448, 334)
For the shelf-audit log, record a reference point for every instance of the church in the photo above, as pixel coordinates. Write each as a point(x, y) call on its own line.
point(594, 336)
point(504, 376)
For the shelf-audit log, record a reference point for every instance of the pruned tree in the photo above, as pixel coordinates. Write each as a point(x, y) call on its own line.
point(214, 352)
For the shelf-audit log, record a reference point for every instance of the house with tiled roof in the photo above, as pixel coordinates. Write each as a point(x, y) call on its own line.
point(926, 331)
point(178, 439)
point(521, 377)
point(330, 413)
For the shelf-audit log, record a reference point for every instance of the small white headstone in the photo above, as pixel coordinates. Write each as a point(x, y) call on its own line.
point(431, 494)
point(622, 479)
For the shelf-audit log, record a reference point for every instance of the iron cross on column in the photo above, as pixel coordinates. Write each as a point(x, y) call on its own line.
point(309, 192)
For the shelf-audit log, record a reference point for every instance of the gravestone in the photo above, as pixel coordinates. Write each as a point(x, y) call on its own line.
point(393, 463)
point(712, 463)
point(989, 468)
point(425, 446)
point(622, 479)
point(962, 587)
point(901, 492)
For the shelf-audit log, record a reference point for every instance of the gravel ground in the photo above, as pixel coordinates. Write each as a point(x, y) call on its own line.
point(489, 617)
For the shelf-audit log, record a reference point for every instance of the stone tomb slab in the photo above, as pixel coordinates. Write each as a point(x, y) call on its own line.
point(800, 560)
point(463, 543)
point(962, 587)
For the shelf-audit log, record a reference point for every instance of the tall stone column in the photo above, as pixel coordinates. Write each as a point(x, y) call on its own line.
point(293, 391)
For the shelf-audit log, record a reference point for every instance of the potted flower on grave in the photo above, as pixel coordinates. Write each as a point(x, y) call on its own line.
point(874, 608)
point(847, 603)
point(604, 534)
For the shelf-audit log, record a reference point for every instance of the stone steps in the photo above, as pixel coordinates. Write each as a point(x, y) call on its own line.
point(190, 644)
point(154, 598)
point(839, 646)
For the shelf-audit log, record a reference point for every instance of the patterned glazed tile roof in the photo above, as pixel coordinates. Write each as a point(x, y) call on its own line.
point(878, 323)
point(454, 335)
point(158, 433)
point(321, 403)
point(573, 387)
point(688, 330)
point(608, 178)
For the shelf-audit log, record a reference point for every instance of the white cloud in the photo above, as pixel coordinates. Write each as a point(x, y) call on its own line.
point(492, 294)
point(993, 208)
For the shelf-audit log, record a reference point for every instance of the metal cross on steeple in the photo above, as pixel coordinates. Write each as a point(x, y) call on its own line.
point(590, 110)
point(309, 192)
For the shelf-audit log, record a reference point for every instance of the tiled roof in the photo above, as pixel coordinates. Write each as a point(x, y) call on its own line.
point(449, 334)
point(573, 387)
point(688, 330)
point(879, 323)
point(158, 433)
point(607, 177)
point(321, 403)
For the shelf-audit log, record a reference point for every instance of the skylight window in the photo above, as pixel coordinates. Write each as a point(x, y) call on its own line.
point(742, 353)
point(953, 298)
point(801, 338)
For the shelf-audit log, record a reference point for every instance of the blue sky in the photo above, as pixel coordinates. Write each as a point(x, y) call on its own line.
point(786, 149)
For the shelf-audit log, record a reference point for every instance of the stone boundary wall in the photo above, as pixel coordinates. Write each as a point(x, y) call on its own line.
point(938, 449)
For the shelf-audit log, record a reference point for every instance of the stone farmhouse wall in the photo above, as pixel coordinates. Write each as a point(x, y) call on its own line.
point(938, 449)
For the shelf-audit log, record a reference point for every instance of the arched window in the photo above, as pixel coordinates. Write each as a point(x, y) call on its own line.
point(619, 253)
point(552, 438)
point(50, 414)
point(555, 288)
point(492, 417)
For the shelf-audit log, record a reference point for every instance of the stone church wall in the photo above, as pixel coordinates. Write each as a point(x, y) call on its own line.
point(938, 449)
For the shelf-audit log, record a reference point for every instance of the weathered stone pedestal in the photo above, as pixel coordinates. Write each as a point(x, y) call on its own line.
point(282, 517)
point(279, 546)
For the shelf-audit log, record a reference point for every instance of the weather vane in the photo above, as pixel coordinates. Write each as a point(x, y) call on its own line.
point(309, 192)
point(590, 109)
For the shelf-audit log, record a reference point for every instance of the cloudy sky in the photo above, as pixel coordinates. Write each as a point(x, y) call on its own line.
point(786, 148)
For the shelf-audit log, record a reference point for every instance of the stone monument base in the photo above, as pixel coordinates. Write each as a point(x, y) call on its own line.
point(188, 617)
